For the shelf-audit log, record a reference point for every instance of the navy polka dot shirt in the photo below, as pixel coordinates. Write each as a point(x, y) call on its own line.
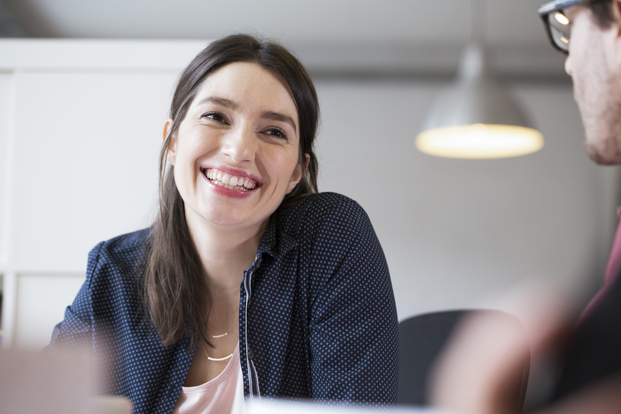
point(317, 316)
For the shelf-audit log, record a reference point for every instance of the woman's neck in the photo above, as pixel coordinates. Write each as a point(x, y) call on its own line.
point(225, 253)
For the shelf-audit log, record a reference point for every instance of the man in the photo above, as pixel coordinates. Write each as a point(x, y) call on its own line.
point(591, 40)
point(589, 32)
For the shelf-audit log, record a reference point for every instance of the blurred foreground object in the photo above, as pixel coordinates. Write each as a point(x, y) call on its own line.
point(51, 383)
point(472, 377)
point(267, 406)
point(105, 404)
point(422, 338)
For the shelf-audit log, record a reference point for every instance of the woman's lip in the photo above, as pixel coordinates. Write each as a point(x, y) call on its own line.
point(233, 171)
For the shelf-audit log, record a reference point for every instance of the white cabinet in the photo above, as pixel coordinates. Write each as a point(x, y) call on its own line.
point(80, 133)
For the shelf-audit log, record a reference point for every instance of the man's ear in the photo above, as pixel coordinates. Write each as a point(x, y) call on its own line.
point(171, 153)
point(298, 174)
point(616, 13)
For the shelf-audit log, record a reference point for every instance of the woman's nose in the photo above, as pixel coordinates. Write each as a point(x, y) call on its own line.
point(240, 144)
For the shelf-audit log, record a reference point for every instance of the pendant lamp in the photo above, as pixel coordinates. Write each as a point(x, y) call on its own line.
point(475, 119)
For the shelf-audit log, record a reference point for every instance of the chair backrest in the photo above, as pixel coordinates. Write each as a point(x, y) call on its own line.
point(421, 340)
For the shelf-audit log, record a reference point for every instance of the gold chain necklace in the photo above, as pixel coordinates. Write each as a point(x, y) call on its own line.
point(215, 359)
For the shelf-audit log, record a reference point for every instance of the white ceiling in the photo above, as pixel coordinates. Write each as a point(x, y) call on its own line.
point(330, 34)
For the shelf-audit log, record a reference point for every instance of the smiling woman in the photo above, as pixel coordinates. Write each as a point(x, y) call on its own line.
point(249, 283)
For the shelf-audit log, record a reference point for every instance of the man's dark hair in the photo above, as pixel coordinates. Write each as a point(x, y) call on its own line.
point(603, 12)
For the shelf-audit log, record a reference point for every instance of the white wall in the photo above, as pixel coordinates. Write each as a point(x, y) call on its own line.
point(5, 99)
point(80, 130)
point(87, 146)
point(456, 232)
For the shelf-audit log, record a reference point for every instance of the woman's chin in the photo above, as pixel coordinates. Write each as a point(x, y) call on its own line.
point(232, 220)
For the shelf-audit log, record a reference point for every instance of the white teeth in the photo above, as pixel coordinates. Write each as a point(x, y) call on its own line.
point(249, 184)
point(230, 181)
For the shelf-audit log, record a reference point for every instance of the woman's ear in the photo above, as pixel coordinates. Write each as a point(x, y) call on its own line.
point(172, 146)
point(298, 174)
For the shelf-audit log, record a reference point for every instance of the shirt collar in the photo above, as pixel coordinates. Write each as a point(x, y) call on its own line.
point(275, 241)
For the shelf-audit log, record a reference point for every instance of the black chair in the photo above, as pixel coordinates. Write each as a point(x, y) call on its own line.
point(422, 339)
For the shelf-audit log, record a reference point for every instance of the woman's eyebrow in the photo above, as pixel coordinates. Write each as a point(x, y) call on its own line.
point(227, 103)
point(279, 117)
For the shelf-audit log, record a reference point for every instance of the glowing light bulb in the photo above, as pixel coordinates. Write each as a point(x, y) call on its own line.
point(480, 141)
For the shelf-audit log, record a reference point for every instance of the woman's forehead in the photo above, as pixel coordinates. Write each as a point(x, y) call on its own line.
point(247, 84)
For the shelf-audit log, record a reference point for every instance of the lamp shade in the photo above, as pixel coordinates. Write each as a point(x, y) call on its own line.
point(475, 118)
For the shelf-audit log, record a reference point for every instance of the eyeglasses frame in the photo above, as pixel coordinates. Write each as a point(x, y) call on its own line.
point(554, 6)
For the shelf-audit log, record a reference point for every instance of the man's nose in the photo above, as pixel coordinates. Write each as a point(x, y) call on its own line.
point(568, 67)
point(240, 144)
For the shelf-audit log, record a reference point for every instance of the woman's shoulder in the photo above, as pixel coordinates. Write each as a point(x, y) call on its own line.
point(126, 244)
point(317, 211)
point(126, 251)
point(129, 240)
point(320, 203)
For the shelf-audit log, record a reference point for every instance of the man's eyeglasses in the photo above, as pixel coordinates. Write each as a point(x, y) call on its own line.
point(557, 24)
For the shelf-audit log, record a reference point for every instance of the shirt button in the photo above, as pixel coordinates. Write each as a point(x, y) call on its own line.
point(250, 354)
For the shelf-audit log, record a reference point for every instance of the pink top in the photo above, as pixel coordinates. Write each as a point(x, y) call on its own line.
point(223, 394)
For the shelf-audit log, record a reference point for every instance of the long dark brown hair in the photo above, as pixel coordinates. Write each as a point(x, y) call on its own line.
point(176, 295)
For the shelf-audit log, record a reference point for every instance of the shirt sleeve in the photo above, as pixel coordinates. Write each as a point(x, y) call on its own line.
point(353, 327)
point(75, 331)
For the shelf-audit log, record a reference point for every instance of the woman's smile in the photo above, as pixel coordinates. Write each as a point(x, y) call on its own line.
point(230, 181)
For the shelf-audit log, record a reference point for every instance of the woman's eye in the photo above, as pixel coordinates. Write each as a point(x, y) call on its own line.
point(276, 133)
point(215, 116)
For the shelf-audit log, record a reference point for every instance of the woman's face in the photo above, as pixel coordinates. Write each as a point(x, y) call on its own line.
point(236, 153)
